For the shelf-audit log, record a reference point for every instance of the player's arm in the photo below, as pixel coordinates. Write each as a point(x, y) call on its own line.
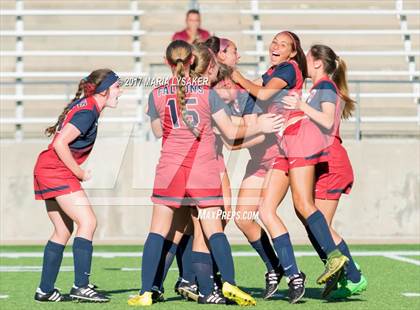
point(258, 81)
point(266, 123)
point(325, 117)
point(247, 142)
point(61, 146)
point(260, 92)
point(156, 126)
point(155, 122)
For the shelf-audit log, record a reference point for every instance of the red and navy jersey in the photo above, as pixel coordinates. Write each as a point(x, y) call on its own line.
point(179, 144)
point(83, 114)
point(289, 72)
point(242, 104)
point(325, 90)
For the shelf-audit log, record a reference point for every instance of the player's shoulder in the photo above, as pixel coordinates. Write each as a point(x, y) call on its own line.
point(86, 105)
point(326, 84)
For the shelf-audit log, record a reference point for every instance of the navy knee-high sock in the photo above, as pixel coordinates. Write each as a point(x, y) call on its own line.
point(266, 251)
point(285, 253)
point(321, 232)
point(53, 255)
point(202, 264)
point(353, 274)
point(183, 258)
point(168, 255)
point(316, 245)
point(222, 254)
point(82, 256)
point(152, 253)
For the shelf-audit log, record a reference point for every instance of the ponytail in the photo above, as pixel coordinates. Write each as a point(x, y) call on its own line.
point(87, 87)
point(340, 79)
point(336, 68)
point(52, 129)
point(178, 54)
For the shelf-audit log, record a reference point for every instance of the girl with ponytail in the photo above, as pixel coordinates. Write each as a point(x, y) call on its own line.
point(57, 177)
point(182, 112)
point(329, 102)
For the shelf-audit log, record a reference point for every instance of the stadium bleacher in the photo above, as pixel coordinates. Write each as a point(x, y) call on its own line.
point(46, 48)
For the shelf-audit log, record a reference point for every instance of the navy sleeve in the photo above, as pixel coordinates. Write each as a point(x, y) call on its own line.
point(216, 103)
point(151, 108)
point(250, 106)
point(328, 92)
point(287, 73)
point(83, 120)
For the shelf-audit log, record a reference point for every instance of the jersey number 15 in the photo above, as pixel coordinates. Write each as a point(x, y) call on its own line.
point(191, 112)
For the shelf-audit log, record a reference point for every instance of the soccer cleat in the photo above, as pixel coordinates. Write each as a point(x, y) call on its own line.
point(188, 291)
point(296, 285)
point(218, 284)
point(213, 298)
point(54, 296)
point(157, 295)
point(335, 263)
point(350, 288)
point(235, 294)
point(177, 283)
point(87, 293)
point(141, 300)
point(331, 284)
point(272, 281)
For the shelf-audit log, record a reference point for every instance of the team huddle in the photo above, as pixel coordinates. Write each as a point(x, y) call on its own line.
point(207, 106)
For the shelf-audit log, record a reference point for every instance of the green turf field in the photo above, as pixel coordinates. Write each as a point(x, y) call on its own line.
point(392, 271)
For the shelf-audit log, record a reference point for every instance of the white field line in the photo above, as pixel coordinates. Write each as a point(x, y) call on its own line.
point(237, 254)
point(4, 296)
point(30, 268)
point(139, 269)
point(411, 294)
point(403, 259)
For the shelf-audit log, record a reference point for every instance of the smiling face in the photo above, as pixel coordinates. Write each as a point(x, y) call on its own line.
point(281, 49)
point(229, 56)
point(114, 92)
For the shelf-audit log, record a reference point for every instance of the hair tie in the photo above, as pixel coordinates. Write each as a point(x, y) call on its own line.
point(178, 60)
point(224, 43)
point(89, 89)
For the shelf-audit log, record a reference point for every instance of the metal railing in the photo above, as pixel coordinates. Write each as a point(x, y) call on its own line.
point(135, 33)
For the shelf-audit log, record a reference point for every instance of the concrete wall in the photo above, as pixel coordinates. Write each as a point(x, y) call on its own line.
point(383, 206)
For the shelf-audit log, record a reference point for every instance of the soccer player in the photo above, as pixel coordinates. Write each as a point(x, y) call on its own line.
point(187, 170)
point(284, 76)
point(57, 177)
point(329, 101)
point(263, 150)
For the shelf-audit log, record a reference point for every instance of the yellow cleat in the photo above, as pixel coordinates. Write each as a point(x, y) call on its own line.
point(235, 294)
point(335, 263)
point(141, 300)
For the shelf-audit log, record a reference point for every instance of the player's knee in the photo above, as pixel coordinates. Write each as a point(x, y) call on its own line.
point(242, 223)
point(265, 214)
point(62, 235)
point(304, 205)
point(87, 224)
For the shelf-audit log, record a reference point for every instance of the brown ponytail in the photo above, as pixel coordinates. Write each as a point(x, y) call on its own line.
point(336, 68)
point(340, 79)
point(178, 54)
point(86, 87)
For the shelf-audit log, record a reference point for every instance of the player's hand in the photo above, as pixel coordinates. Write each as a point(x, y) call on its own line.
point(292, 102)
point(216, 131)
point(86, 175)
point(236, 76)
point(269, 122)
